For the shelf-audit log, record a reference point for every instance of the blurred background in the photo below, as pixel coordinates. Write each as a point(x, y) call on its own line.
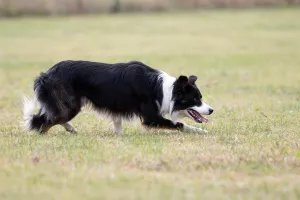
point(53, 7)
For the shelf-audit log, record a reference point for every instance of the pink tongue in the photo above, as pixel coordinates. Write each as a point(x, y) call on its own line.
point(198, 116)
point(202, 119)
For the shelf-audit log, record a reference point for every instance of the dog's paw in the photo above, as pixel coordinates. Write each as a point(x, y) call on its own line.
point(192, 129)
point(204, 131)
point(200, 130)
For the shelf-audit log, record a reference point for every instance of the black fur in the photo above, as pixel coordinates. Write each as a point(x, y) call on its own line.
point(123, 89)
point(185, 93)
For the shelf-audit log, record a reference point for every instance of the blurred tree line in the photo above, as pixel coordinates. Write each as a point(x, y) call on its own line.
point(59, 7)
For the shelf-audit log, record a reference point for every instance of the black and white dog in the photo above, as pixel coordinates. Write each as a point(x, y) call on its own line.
point(121, 90)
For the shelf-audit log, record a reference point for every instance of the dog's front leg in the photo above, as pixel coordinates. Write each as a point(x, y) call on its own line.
point(161, 122)
point(153, 119)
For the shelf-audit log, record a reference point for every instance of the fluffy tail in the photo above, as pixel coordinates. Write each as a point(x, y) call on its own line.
point(28, 111)
point(35, 121)
point(31, 121)
point(56, 103)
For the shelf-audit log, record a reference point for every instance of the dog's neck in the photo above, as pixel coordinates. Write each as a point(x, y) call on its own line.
point(167, 87)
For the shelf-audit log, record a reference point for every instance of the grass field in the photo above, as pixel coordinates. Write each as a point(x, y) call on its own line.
point(248, 64)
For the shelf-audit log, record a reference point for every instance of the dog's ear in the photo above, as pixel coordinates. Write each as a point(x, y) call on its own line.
point(182, 80)
point(193, 79)
point(179, 87)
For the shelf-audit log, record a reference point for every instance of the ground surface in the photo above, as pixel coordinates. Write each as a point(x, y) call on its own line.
point(248, 64)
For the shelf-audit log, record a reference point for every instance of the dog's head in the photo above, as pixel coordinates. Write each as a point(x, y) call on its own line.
point(187, 100)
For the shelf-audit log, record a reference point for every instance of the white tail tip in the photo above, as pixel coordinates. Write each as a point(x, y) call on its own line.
point(28, 111)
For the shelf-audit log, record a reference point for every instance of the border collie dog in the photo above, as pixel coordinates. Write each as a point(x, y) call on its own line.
point(121, 90)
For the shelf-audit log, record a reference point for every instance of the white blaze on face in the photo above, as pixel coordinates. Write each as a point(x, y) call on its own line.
point(204, 109)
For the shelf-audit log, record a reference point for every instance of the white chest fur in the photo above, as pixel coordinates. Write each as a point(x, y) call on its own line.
point(167, 85)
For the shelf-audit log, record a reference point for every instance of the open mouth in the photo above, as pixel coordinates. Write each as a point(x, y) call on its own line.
point(196, 116)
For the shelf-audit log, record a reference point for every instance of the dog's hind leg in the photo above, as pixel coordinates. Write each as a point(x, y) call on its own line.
point(117, 125)
point(68, 126)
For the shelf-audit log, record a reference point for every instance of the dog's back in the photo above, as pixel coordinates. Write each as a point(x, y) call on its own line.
point(118, 89)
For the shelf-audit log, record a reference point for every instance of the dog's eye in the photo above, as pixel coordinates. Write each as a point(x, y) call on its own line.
point(195, 99)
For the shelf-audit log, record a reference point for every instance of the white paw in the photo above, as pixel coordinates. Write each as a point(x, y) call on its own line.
point(192, 129)
point(204, 131)
point(199, 130)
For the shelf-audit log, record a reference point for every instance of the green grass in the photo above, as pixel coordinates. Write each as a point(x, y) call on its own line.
point(248, 64)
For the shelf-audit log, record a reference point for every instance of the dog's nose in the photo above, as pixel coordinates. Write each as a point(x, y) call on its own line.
point(211, 111)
